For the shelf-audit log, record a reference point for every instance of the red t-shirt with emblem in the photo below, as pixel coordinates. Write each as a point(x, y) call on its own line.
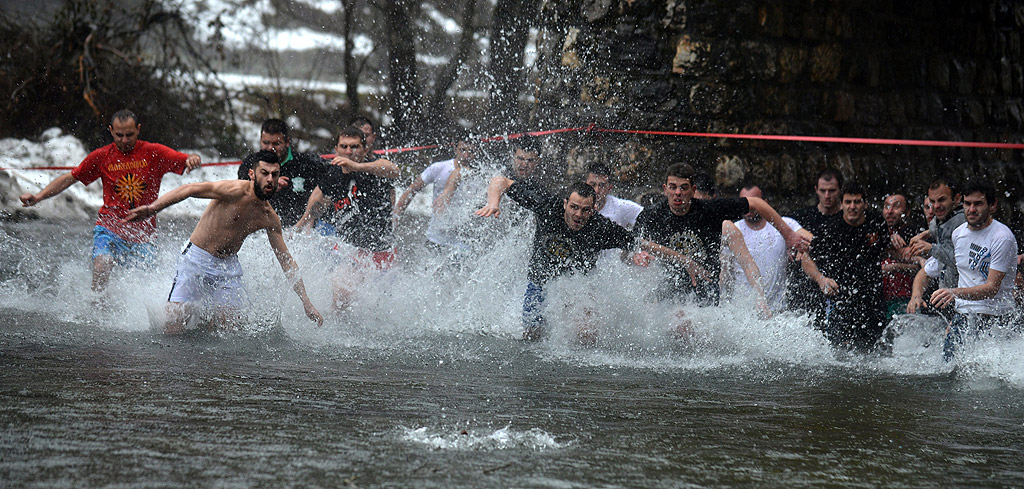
point(129, 180)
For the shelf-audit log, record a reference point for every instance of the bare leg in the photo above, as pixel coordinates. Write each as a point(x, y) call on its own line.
point(684, 327)
point(177, 316)
point(586, 330)
point(101, 267)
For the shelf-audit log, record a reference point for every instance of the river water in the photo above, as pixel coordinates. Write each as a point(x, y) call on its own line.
point(425, 384)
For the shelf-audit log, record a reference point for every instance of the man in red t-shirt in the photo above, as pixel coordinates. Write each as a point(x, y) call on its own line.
point(130, 171)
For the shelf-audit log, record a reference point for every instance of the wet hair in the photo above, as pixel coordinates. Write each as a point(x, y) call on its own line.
point(275, 126)
point(254, 159)
point(123, 115)
point(704, 183)
point(940, 181)
point(750, 185)
point(526, 144)
point(853, 188)
point(680, 170)
point(599, 169)
point(353, 132)
point(829, 174)
point(976, 185)
point(581, 189)
point(461, 134)
point(360, 121)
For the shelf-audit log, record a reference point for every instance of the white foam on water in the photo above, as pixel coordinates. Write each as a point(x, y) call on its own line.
point(425, 299)
point(482, 439)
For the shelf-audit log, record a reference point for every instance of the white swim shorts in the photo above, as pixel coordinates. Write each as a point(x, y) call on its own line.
point(204, 279)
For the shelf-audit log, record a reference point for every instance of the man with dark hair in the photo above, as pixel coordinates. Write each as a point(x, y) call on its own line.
point(526, 155)
point(704, 186)
point(369, 130)
point(130, 171)
point(300, 172)
point(898, 269)
point(568, 239)
point(804, 293)
point(357, 194)
point(846, 263)
point(621, 211)
point(694, 228)
point(208, 273)
point(445, 177)
point(768, 250)
point(986, 259)
point(937, 241)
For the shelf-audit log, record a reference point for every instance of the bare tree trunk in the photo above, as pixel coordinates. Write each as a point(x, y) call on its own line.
point(405, 107)
point(509, 33)
point(351, 70)
point(451, 72)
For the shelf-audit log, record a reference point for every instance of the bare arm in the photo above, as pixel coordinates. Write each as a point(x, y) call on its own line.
point(827, 285)
point(291, 271)
point(989, 289)
point(403, 201)
point(314, 208)
point(452, 184)
point(917, 292)
point(793, 240)
point(202, 190)
point(55, 187)
point(382, 168)
point(495, 190)
point(694, 269)
point(738, 246)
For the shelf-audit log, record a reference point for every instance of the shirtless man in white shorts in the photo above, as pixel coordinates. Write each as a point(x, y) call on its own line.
point(208, 272)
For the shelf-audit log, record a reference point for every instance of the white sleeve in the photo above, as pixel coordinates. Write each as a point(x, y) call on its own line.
point(1004, 254)
point(931, 267)
point(429, 174)
point(795, 226)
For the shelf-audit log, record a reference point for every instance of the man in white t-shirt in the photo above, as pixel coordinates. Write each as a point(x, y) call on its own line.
point(986, 260)
point(621, 211)
point(437, 174)
point(769, 251)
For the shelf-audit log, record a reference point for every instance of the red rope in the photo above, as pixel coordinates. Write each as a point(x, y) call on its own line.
point(593, 128)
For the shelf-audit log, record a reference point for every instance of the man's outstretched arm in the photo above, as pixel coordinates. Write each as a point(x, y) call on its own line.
point(291, 271)
point(495, 190)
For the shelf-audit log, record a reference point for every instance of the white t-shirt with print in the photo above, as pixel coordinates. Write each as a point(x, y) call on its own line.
point(978, 252)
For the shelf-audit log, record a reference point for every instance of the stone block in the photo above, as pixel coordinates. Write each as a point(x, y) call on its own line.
point(729, 171)
point(938, 71)
point(963, 73)
point(570, 57)
point(987, 80)
point(595, 10)
point(689, 55)
point(826, 60)
point(792, 60)
point(813, 25)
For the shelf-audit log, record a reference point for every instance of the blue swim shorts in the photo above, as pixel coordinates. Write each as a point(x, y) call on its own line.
point(106, 243)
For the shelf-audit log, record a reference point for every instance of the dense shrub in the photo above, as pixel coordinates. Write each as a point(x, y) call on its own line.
point(93, 57)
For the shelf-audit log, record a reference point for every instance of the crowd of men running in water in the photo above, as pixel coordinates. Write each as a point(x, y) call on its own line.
point(851, 268)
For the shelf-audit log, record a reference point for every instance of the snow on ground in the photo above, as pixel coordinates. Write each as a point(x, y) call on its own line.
point(20, 158)
point(241, 25)
point(19, 173)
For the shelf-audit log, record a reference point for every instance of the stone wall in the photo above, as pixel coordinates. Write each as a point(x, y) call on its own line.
point(931, 69)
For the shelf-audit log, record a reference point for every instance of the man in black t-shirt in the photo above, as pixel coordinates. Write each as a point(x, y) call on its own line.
point(848, 256)
point(802, 292)
point(300, 172)
point(357, 197)
point(693, 227)
point(567, 240)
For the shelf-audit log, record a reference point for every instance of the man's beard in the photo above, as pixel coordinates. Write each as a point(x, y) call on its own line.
point(260, 194)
